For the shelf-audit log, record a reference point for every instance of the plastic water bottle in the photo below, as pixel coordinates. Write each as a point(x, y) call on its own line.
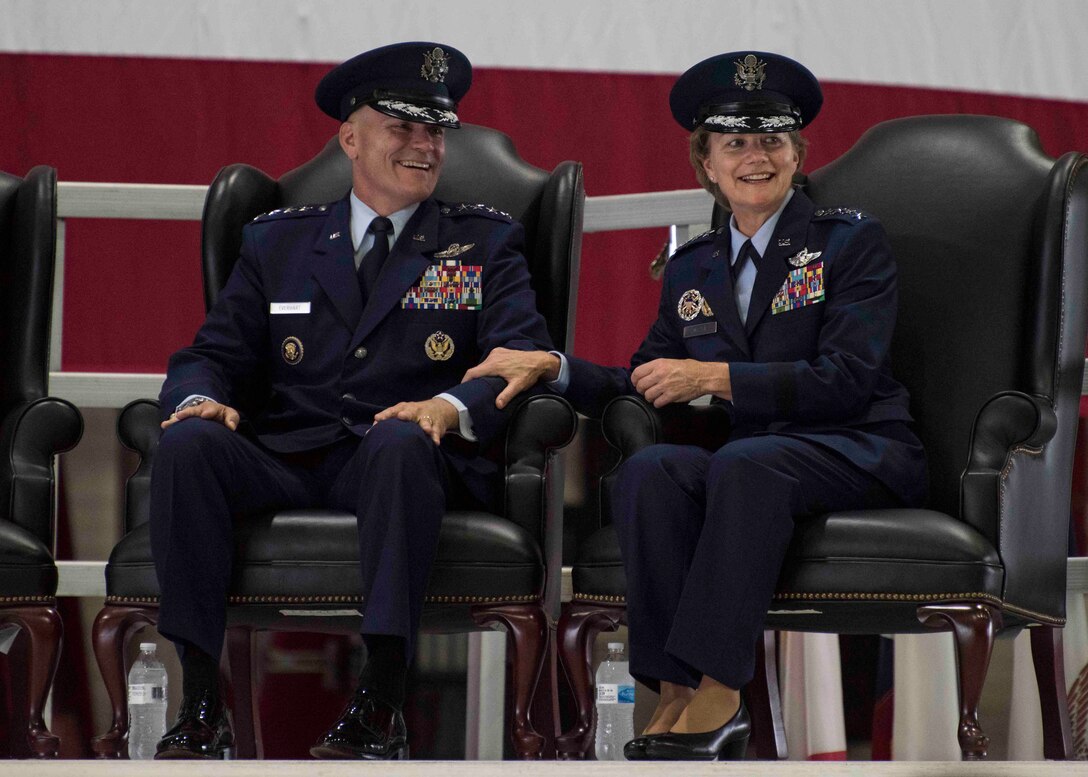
point(615, 705)
point(146, 703)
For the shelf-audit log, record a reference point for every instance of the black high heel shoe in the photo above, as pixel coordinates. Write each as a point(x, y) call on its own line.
point(635, 750)
point(727, 743)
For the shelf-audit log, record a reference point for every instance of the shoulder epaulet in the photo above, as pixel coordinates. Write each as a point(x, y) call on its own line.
point(293, 211)
point(842, 213)
point(474, 209)
point(710, 233)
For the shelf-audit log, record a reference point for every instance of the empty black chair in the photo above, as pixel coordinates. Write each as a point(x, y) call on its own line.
point(33, 429)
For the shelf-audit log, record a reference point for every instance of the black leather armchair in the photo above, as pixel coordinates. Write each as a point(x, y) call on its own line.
point(491, 570)
point(991, 241)
point(33, 428)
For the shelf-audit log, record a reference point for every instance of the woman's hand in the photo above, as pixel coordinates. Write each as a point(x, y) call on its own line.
point(520, 370)
point(435, 416)
point(665, 381)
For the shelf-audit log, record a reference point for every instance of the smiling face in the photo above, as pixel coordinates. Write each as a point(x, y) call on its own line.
point(394, 163)
point(754, 173)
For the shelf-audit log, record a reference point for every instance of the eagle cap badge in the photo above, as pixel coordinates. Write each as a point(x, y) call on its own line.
point(435, 65)
point(751, 72)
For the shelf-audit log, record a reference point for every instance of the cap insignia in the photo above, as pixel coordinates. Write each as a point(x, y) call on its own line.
point(435, 65)
point(750, 73)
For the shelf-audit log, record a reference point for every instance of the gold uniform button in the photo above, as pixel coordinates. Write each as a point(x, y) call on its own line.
point(360, 352)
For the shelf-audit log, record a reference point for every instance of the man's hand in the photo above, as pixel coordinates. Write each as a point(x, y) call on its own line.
point(520, 370)
point(435, 416)
point(213, 411)
point(664, 381)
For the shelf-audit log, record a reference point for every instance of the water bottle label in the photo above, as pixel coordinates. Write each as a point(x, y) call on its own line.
point(145, 693)
point(626, 694)
point(607, 693)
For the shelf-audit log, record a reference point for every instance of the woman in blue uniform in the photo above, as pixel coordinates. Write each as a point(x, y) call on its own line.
point(786, 313)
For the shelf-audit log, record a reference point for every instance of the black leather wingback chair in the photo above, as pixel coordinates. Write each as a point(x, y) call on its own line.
point(33, 428)
point(491, 570)
point(991, 240)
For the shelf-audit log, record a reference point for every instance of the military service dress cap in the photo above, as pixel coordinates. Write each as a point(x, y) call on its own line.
point(746, 91)
point(417, 81)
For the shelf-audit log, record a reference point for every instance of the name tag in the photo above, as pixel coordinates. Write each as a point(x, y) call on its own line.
point(709, 328)
point(280, 308)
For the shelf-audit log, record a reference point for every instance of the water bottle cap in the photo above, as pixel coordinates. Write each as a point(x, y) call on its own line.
point(148, 646)
point(615, 646)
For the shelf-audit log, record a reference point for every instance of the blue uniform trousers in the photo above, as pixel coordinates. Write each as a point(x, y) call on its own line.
point(394, 479)
point(703, 536)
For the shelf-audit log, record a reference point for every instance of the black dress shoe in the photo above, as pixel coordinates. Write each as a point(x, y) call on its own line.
point(202, 729)
point(727, 743)
point(368, 728)
point(635, 750)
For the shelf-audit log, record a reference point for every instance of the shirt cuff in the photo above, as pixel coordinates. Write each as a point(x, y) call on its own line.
point(464, 418)
point(560, 384)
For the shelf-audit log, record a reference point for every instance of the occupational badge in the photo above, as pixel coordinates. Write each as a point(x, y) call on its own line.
point(439, 347)
point(750, 73)
point(691, 302)
point(455, 249)
point(803, 257)
point(291, 350)
point(435, 65)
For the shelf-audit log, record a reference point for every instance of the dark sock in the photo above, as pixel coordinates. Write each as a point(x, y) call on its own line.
point(199, 672)
point(386, 668)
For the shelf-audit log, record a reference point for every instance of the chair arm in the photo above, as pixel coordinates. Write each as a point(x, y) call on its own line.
point(1009, 420)
point(541, 424)
point(31, 434)
point(138, 430)
point(630, 423)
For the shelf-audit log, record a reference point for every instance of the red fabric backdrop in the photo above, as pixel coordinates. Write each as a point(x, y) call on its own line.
point(132, 288)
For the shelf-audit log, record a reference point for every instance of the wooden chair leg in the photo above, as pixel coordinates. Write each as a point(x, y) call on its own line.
point(526, 629)
point(248, 743)
point(765, 702)
point(1049, 660)
point(973, 627)
point(43, 629)
point(110, 636)
point(578, 628)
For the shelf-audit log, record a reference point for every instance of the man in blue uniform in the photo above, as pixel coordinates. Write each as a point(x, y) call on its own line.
point(785, 315)
point(360, 316)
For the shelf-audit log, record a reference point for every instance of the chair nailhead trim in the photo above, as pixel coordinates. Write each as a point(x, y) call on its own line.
point(345, 599)
point(595, 598)
point(27, 600)
point(888, 597)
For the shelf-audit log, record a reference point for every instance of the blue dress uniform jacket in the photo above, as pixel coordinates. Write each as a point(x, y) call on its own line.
point(292, 346)
point(819, 425)
point(350, 361)
point(812, 358)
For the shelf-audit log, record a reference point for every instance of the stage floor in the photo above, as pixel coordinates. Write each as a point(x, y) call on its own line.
point(537, 769)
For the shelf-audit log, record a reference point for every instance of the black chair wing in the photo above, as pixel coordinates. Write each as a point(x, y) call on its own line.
point(33, 429)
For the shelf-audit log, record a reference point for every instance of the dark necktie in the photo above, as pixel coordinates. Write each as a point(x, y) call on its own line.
point(372, 262)
point(747, 254)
